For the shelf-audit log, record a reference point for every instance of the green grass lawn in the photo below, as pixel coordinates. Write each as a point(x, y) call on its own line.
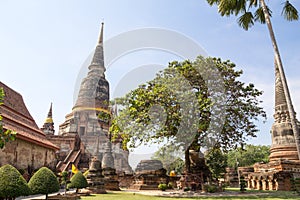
point(251, 194)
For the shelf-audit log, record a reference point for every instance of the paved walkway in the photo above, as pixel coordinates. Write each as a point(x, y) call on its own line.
point(39, 196)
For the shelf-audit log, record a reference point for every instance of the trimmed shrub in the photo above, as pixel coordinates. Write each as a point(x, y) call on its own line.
point(170, 185)
point(162, 186)
point(43, 181)
point(12, 183)
point(78, 181)
point(212, 188)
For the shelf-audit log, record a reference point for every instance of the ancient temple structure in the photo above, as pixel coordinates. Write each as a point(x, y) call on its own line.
point(148, 175)
point(86, 128)
point(31, 149)
point(284, 163)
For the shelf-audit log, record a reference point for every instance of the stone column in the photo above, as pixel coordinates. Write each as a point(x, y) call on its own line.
point(253, 184)
point(265, 184)
point(271, 186)
point(258, 184)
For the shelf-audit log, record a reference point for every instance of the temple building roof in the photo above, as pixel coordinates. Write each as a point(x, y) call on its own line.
point(16, 117)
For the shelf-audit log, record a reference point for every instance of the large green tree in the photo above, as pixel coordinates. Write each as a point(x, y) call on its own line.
point(12, 183)
point(250, 11)
point(190, 104)
point(247, 156)
point(5, 135)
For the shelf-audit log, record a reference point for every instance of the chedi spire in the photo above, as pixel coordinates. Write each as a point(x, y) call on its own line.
point(94, 89)
point(48, 127)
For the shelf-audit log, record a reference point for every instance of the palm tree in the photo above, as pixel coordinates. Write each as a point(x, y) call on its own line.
point(263, 14)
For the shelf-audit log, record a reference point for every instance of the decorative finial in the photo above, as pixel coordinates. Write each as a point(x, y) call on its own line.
point(101, 34)
point(50, 112)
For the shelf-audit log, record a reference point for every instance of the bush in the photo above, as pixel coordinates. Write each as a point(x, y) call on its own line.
point(22, 171)
point(43, 181)
point(212, 188)
point(170, 185)
point(186, 189)
point(12, 183)
point(162, 186)
point(78, 181)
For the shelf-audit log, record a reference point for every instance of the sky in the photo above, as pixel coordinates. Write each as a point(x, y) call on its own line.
point(44, 47)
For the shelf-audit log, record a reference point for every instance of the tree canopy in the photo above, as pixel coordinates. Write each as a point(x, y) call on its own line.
point(43, 181)
point(191, 104)
point(247, 156)
point(12, 183)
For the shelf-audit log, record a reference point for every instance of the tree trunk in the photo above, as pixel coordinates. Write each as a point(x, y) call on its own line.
point(187, 160)
point(282, 76)
point(46, 196)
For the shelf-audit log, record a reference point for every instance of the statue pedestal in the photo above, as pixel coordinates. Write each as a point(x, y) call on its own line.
point(111, 179)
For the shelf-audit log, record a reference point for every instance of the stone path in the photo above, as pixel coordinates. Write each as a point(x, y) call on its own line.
point(40, 196)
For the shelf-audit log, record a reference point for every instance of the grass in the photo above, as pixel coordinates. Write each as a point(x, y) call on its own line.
point(251, 194)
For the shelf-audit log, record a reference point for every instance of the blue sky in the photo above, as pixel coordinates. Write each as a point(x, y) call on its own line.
point(43, 45)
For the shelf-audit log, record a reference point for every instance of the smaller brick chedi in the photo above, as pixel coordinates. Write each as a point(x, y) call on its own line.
point(284, 163)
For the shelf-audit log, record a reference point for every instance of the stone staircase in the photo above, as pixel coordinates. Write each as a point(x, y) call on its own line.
point(72, 158)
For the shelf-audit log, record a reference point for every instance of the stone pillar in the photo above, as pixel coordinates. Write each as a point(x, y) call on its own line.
point(249, 183)
point(271, 186)
point(253, 184)
point(258, 185)
point(265, 185)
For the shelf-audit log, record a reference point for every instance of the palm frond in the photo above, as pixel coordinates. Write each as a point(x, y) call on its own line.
point(259, 15)
point(212, 2)
point(253, 3)
point(226, 7)
point(240, 6)
point(246, 20)
point(289, 12)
